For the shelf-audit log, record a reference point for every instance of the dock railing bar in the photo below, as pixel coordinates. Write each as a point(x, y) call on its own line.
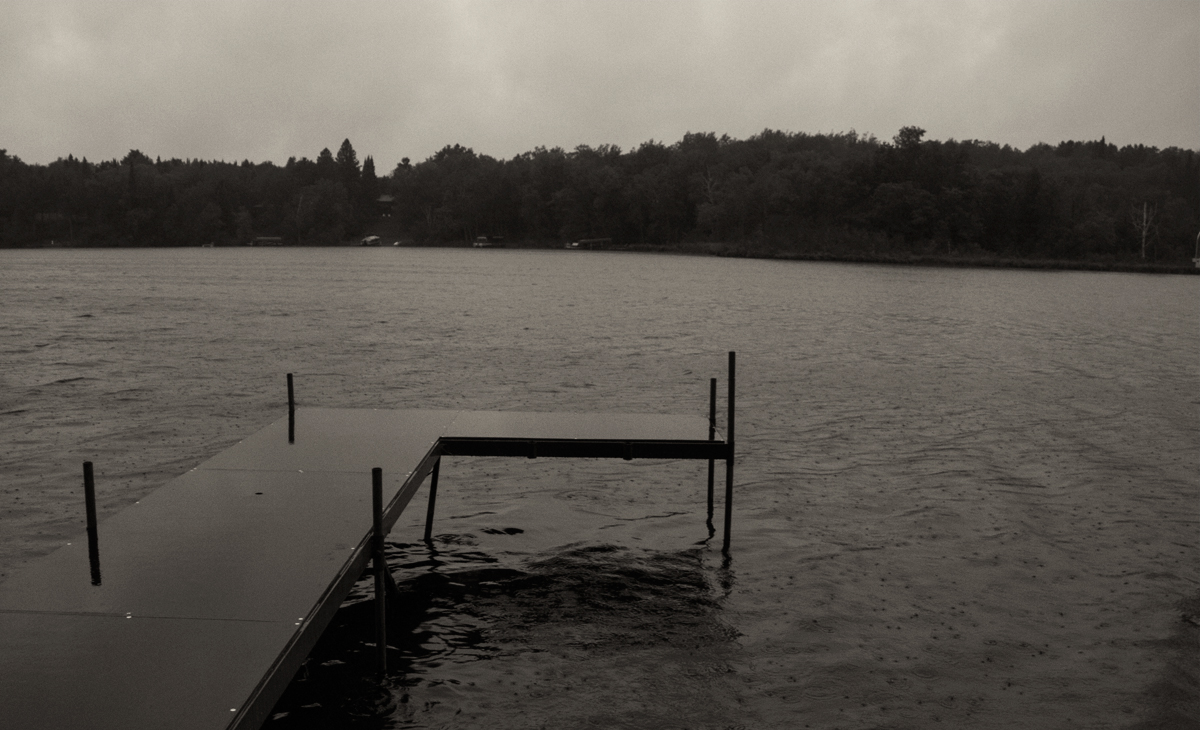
point(575, 448)
point(93, 533)
point(729, 441)
point(433, 481)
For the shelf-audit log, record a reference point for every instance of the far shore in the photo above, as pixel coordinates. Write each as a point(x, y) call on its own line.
point(759, 251)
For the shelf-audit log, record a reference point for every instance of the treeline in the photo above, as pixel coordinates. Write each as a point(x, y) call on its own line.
point(138, 201)
point(827, 194)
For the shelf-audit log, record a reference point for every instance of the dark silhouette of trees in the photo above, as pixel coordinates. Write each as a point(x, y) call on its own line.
point(327, 167)
point(369, 190)
point(830, 195)
point(347, 164)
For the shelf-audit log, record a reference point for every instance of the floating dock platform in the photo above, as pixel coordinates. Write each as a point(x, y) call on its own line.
point(195, 607)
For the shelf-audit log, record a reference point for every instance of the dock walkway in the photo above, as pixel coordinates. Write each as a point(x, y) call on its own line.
point(213, 589)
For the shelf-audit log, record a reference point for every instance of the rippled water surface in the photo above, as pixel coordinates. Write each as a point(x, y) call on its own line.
point(965, 498)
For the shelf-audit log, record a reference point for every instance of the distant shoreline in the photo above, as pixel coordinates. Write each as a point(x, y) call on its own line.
point(726, 250)
point(984, 263)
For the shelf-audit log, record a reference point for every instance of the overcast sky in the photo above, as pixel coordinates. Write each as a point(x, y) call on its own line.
point(266, 80)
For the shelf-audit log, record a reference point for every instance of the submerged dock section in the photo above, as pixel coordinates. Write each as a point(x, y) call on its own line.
point(194, 607)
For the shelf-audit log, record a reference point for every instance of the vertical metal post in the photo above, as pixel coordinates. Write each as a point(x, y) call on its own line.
point(729, 457)
point(433, 479)
point(380, 567)
point(89, 498)
point(712, 435)
point(291, 411)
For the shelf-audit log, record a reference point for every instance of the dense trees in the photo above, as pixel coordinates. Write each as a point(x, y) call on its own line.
point(828, 194)
point(838, 194)
point(137, 201)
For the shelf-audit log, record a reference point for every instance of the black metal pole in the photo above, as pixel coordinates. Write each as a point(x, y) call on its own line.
point(291, 411)
point(433, 479)
point(380, 567)
point(712, 435)
point(89, 498)
point(729, 457)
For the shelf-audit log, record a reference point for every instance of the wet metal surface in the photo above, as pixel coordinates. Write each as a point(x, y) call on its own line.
point(339, 440)
point(106, 671)
point(211, 544)
point(216, 585)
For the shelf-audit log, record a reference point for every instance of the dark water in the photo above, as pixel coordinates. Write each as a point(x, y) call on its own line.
point(965, 498)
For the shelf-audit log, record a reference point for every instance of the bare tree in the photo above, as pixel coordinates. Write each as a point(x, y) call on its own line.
point(1144, 220)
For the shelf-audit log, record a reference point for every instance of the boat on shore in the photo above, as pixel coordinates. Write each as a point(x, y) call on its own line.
point(589, 244)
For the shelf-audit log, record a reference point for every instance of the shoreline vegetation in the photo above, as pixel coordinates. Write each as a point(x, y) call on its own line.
point(828, 197)
point(726, 250)
point(942, 260)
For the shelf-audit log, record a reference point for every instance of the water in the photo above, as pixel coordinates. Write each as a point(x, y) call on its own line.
point(964, 497)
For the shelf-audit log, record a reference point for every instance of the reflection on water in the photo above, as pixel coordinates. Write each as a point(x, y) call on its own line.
point(964, 498)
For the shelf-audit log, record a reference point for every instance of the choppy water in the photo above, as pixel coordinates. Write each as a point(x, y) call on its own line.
point(965, 498)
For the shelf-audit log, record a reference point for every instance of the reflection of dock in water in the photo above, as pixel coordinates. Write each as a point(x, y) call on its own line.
point(196, 606)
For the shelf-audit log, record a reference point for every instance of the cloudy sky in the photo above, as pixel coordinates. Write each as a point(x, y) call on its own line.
point(267, 79)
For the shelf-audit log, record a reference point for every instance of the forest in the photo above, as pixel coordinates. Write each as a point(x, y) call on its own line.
point(834, 196)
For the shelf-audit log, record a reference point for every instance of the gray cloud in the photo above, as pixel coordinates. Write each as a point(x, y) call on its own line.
point(268, 80)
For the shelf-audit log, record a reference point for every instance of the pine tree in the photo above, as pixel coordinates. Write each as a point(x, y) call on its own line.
point(370, 183)
point(347, 163)
point(326, 166)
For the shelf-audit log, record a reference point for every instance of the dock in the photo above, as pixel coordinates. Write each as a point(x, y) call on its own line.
point(195, 607)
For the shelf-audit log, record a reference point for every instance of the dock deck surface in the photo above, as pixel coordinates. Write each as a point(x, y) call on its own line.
point(215, 586)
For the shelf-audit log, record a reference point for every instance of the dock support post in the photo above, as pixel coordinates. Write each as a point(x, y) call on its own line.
point(712, 435)
point(291, 411)
point(433, 479)
point(729, 456)
point(380, 569)
point(89, 498)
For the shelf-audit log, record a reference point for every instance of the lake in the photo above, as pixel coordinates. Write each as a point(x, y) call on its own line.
point(965, 497)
